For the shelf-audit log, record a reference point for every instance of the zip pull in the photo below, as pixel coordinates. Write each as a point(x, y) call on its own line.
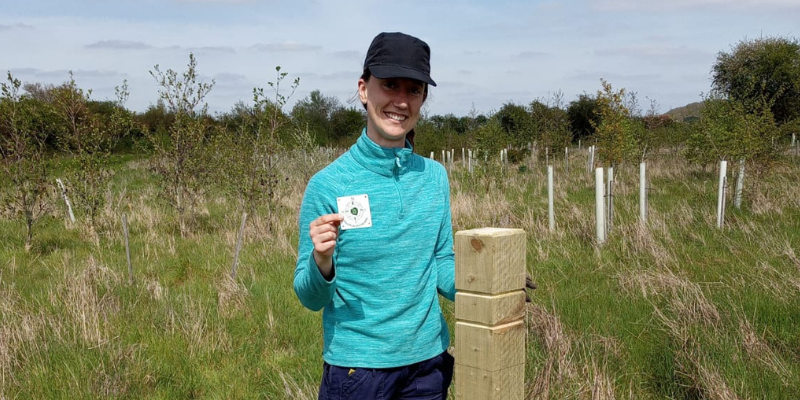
point(397, 161)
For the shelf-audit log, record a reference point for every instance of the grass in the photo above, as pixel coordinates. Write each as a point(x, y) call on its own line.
point(674, 309)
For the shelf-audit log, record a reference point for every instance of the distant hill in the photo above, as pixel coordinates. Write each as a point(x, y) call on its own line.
point(689, 110)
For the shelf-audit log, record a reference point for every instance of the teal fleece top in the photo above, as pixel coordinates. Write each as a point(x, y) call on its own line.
point(381, 308)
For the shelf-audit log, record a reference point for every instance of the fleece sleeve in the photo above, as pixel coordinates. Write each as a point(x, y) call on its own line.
point(313, 290)
point(445, 257)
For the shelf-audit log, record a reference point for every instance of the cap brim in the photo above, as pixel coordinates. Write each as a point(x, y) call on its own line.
point(394, 71)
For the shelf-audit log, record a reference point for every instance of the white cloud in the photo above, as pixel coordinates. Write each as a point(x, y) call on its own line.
point(63, 74)
point(18, 25)
point(119, 45)
point(657, 53)
point(614, 76)
point(217, 1)
point(288, 46)
point(684, 5)
point(228, 77)
point(347, 54)
point(531, 54)
point(212, 49)
point(483, 52)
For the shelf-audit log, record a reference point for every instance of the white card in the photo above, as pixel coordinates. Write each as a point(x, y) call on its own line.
point(355, 210)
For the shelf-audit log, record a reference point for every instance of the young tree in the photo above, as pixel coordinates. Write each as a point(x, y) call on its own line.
point(250, 155)
point(489, 138)
point(614, 133)
point(22, 158)
point(734, 130)
point(89, 140)
point(551, 123)
point(346, 124)
point(583, 117)
point(314, 114)
point(517, 124)
point(181, 157)
point(762, 68)
point(652, 135)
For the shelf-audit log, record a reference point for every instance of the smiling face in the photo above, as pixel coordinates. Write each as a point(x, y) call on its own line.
point(393, 106)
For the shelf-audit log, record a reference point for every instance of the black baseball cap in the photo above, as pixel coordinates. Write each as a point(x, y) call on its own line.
point(397, 55)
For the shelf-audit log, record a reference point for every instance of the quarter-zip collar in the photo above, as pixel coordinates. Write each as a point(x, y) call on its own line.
point(385, 161)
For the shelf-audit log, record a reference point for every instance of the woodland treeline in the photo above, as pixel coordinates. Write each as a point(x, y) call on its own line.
point(750, 114)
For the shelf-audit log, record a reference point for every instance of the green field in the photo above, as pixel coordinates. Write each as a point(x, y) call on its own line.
point(677, 309)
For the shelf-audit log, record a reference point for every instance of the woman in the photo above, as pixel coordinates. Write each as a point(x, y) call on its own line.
point(376, 243)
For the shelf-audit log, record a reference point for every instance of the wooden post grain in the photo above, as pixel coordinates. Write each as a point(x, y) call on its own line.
point(490, 310)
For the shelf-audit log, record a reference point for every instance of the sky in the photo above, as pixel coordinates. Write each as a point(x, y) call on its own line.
point(484, 54)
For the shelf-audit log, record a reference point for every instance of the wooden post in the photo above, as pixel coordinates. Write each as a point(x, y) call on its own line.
point(66, 199)
point(238, 245)
point(463, 160)
point(490, 311)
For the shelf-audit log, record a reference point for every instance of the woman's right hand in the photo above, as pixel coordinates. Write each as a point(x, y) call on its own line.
point(324, 231)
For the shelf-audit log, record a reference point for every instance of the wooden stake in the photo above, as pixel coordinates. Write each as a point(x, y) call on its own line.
point(490, 310)
point(66, 199)
point(238, 246)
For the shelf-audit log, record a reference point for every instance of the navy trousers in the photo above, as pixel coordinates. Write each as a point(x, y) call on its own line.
point(426, 380)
